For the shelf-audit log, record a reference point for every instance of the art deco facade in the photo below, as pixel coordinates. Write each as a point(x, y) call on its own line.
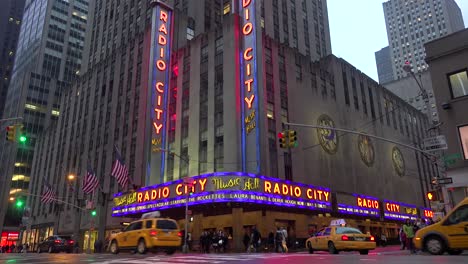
point(48, 58)
point(209, 125)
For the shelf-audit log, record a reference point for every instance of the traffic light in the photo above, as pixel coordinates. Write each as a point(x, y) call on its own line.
point(431, 195)
point(19, 203)
point(282, 138)
point(292, 135)
point(22, 135)
point(93, 213)
point(11, 133)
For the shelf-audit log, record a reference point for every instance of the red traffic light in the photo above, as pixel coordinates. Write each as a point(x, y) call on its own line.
point(280, 135)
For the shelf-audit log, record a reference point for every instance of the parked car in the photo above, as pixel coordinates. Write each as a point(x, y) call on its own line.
point(448, 235)
point(56, 244)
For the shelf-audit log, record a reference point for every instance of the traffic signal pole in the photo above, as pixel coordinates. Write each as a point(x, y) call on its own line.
point(416, 149)
point(364, 134)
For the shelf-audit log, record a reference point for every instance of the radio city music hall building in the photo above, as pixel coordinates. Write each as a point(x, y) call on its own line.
point(210, 107)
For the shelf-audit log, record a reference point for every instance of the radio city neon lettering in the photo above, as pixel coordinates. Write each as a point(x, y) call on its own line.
point(247, 29)
point(161, 66)
point(367, 203)
point(392, 207)
point(295, 191)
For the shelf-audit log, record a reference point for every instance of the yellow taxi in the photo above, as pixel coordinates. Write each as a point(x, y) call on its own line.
point(151, 232)
point(339, 237)
point(449, 234)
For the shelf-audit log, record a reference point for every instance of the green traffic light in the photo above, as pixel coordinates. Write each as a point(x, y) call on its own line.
point(22, 139)
point(19, 203)
point(93, 213)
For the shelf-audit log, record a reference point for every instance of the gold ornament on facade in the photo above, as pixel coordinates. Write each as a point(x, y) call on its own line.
point(366, 150)
point(328, 138)
point(398, 161)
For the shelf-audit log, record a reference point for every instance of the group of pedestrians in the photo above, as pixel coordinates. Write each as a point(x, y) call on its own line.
point(14, 249)
point(216, 240)
point(407, 232)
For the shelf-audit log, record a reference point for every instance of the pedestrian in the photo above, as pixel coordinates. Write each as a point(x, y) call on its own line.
point(285, 239)
point(402, 239)
point(409, 232)
point(383, 240)
point(279, 241)
point(246, 241)
point(271, 241)
point(256, 239)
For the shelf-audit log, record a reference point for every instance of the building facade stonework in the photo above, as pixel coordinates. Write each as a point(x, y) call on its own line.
point(210, 126)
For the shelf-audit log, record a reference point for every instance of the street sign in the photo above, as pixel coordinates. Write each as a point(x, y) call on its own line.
point(452, 158)
point(445, 180)
point(435, 143)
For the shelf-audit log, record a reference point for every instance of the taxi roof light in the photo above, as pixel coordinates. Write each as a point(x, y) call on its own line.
point(155, 214)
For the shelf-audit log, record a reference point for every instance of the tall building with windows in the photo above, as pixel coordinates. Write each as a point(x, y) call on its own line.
point(410, 24)
point(49, 57)
point(183, 90)
point(11, 14)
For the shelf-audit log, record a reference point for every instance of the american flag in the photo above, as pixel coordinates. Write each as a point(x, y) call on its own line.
point(90, 181)
point(48, 194)
point(119, 170)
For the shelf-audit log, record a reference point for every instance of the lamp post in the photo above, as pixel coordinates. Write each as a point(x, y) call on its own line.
point(188, 182)
point(71, 178)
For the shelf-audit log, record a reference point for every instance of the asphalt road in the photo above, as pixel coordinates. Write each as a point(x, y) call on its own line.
point(264, 258)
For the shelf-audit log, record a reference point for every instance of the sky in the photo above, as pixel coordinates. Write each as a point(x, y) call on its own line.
point(357, 29)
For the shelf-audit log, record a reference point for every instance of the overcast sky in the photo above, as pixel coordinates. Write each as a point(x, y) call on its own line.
point(358, 31)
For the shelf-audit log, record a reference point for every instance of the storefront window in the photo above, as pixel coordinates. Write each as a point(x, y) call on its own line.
point(463, 131)
point(91, 241)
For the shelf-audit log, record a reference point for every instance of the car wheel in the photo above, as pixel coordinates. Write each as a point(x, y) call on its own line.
point(51, 249)
point(141, 247)
point(364, 252)
point(332, 248)
point(114, 248)
point(309, 246)
point(434, 245)
point(39, 251)
point(170, 251)
point(454, 251)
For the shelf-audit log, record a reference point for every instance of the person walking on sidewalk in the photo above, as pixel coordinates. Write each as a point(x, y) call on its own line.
point(409, 232)
point(402, 239)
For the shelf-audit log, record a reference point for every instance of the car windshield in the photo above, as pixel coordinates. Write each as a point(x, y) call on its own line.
point(347, 230)
point(166, 224)
point(64, 237)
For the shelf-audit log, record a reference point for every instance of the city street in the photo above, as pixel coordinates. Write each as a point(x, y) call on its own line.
point(391, 257)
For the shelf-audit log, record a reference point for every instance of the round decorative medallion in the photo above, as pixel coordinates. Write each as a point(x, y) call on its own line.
point(366, 150)
point(398, 161)
point(328, 138)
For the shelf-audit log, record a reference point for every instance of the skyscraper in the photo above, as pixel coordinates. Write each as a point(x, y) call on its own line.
point(201, 89)
point(11, 14)
point(412, 23)
point(384, 65)
point(48, 58)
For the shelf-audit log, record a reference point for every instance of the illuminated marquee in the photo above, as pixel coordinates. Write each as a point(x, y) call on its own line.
point(223, 187)
point(399, 211)
point(161, 38)
point(361, 205)
point(248, 31)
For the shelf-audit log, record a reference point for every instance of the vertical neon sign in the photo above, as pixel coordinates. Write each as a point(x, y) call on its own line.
point(249, 88)
point(160, 67)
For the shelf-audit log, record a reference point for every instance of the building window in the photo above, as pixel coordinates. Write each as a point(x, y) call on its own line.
point(459, 84)
point(227, 8)
point(463, 133)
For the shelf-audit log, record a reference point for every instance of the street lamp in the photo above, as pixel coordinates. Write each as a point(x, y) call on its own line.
point(188, 182)
point(409, 69)
point(71, 177)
